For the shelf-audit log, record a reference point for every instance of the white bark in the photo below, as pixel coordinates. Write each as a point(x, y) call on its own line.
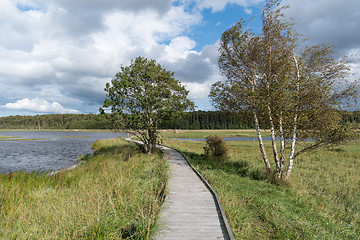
point(282, 147)
point(261, 144)
point(293, 142)
point(273, 140)
point(292, 151)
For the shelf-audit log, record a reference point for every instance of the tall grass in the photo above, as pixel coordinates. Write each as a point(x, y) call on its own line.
point(322, 200)
point(116, 194)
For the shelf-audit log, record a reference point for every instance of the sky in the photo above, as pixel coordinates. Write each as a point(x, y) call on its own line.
point(57, 55)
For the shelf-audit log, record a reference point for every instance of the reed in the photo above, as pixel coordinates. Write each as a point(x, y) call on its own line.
point(115, 194)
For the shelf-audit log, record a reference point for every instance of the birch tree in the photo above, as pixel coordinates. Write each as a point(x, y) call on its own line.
point(144, 94)
point(294, 90)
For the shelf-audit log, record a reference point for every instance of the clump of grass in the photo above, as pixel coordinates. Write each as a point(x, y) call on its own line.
point(4, 137)
point(115, 195)
point(321, 202)
point(273, 179)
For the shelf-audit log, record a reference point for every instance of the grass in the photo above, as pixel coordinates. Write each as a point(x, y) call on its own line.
point(116, 194)
point(1, 136)
point(9, 138)
point(4, 137)
point(205, 133)
point(322, 200)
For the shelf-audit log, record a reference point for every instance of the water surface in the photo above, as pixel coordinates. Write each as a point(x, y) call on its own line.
point(225, 138)
point(235, 139)
point(55, 149)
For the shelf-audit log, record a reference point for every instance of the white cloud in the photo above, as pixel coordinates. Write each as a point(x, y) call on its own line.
point(103, 5)
point(219, 5)
point(178, 48)
point(197, 90)
point(37, 105)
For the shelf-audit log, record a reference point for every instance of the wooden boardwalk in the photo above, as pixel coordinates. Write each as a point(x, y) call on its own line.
point(189, 211)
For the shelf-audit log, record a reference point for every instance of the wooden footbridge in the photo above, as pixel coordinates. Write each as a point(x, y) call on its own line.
point(192, 209)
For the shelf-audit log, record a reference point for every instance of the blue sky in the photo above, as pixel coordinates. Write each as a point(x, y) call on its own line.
point(57, 55)
point(214, 24)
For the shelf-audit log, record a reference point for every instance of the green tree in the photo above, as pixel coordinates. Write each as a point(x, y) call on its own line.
point(292, 89)
point(144, 94)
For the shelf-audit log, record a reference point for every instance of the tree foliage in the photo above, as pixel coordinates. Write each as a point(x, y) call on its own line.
point(189, 120)
point(296, 91)
point(142, 95)
point(208, 120)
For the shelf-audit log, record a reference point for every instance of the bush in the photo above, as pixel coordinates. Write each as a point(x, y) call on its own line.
point(215, 146)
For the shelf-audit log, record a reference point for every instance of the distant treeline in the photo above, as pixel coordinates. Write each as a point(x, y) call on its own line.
point(191, 120)
point(351, 117)
point(209, 120)
point(56, 121)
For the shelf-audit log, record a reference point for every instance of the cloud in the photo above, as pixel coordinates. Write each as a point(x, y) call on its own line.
point(37, 105)
point(178, 48)
point(85, 16)
point(195, 67)
point(129, 5)
point(328, 21)
point(64, 51)
point(198, 92)
point(47, 56)
point(219, 5)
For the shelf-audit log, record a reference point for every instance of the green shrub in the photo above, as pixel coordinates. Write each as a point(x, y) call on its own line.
point(215, 146)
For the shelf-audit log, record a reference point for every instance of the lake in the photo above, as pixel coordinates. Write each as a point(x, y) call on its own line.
point(236, 139)
point(53, 150)
point(226, 139)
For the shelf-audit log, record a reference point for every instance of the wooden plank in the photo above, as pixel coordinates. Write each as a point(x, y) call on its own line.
point(189, 211)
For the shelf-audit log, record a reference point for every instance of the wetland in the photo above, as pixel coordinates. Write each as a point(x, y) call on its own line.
point(45, 150)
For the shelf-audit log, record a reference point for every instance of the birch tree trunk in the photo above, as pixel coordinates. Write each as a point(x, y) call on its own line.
point(282, 147)
point(271, 121)
point(292, 151)
point(293, 142)
point(261, 144)
point(273, 140)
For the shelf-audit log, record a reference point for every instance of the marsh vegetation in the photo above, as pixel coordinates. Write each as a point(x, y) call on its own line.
point(115, 194)
point(322, 200)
